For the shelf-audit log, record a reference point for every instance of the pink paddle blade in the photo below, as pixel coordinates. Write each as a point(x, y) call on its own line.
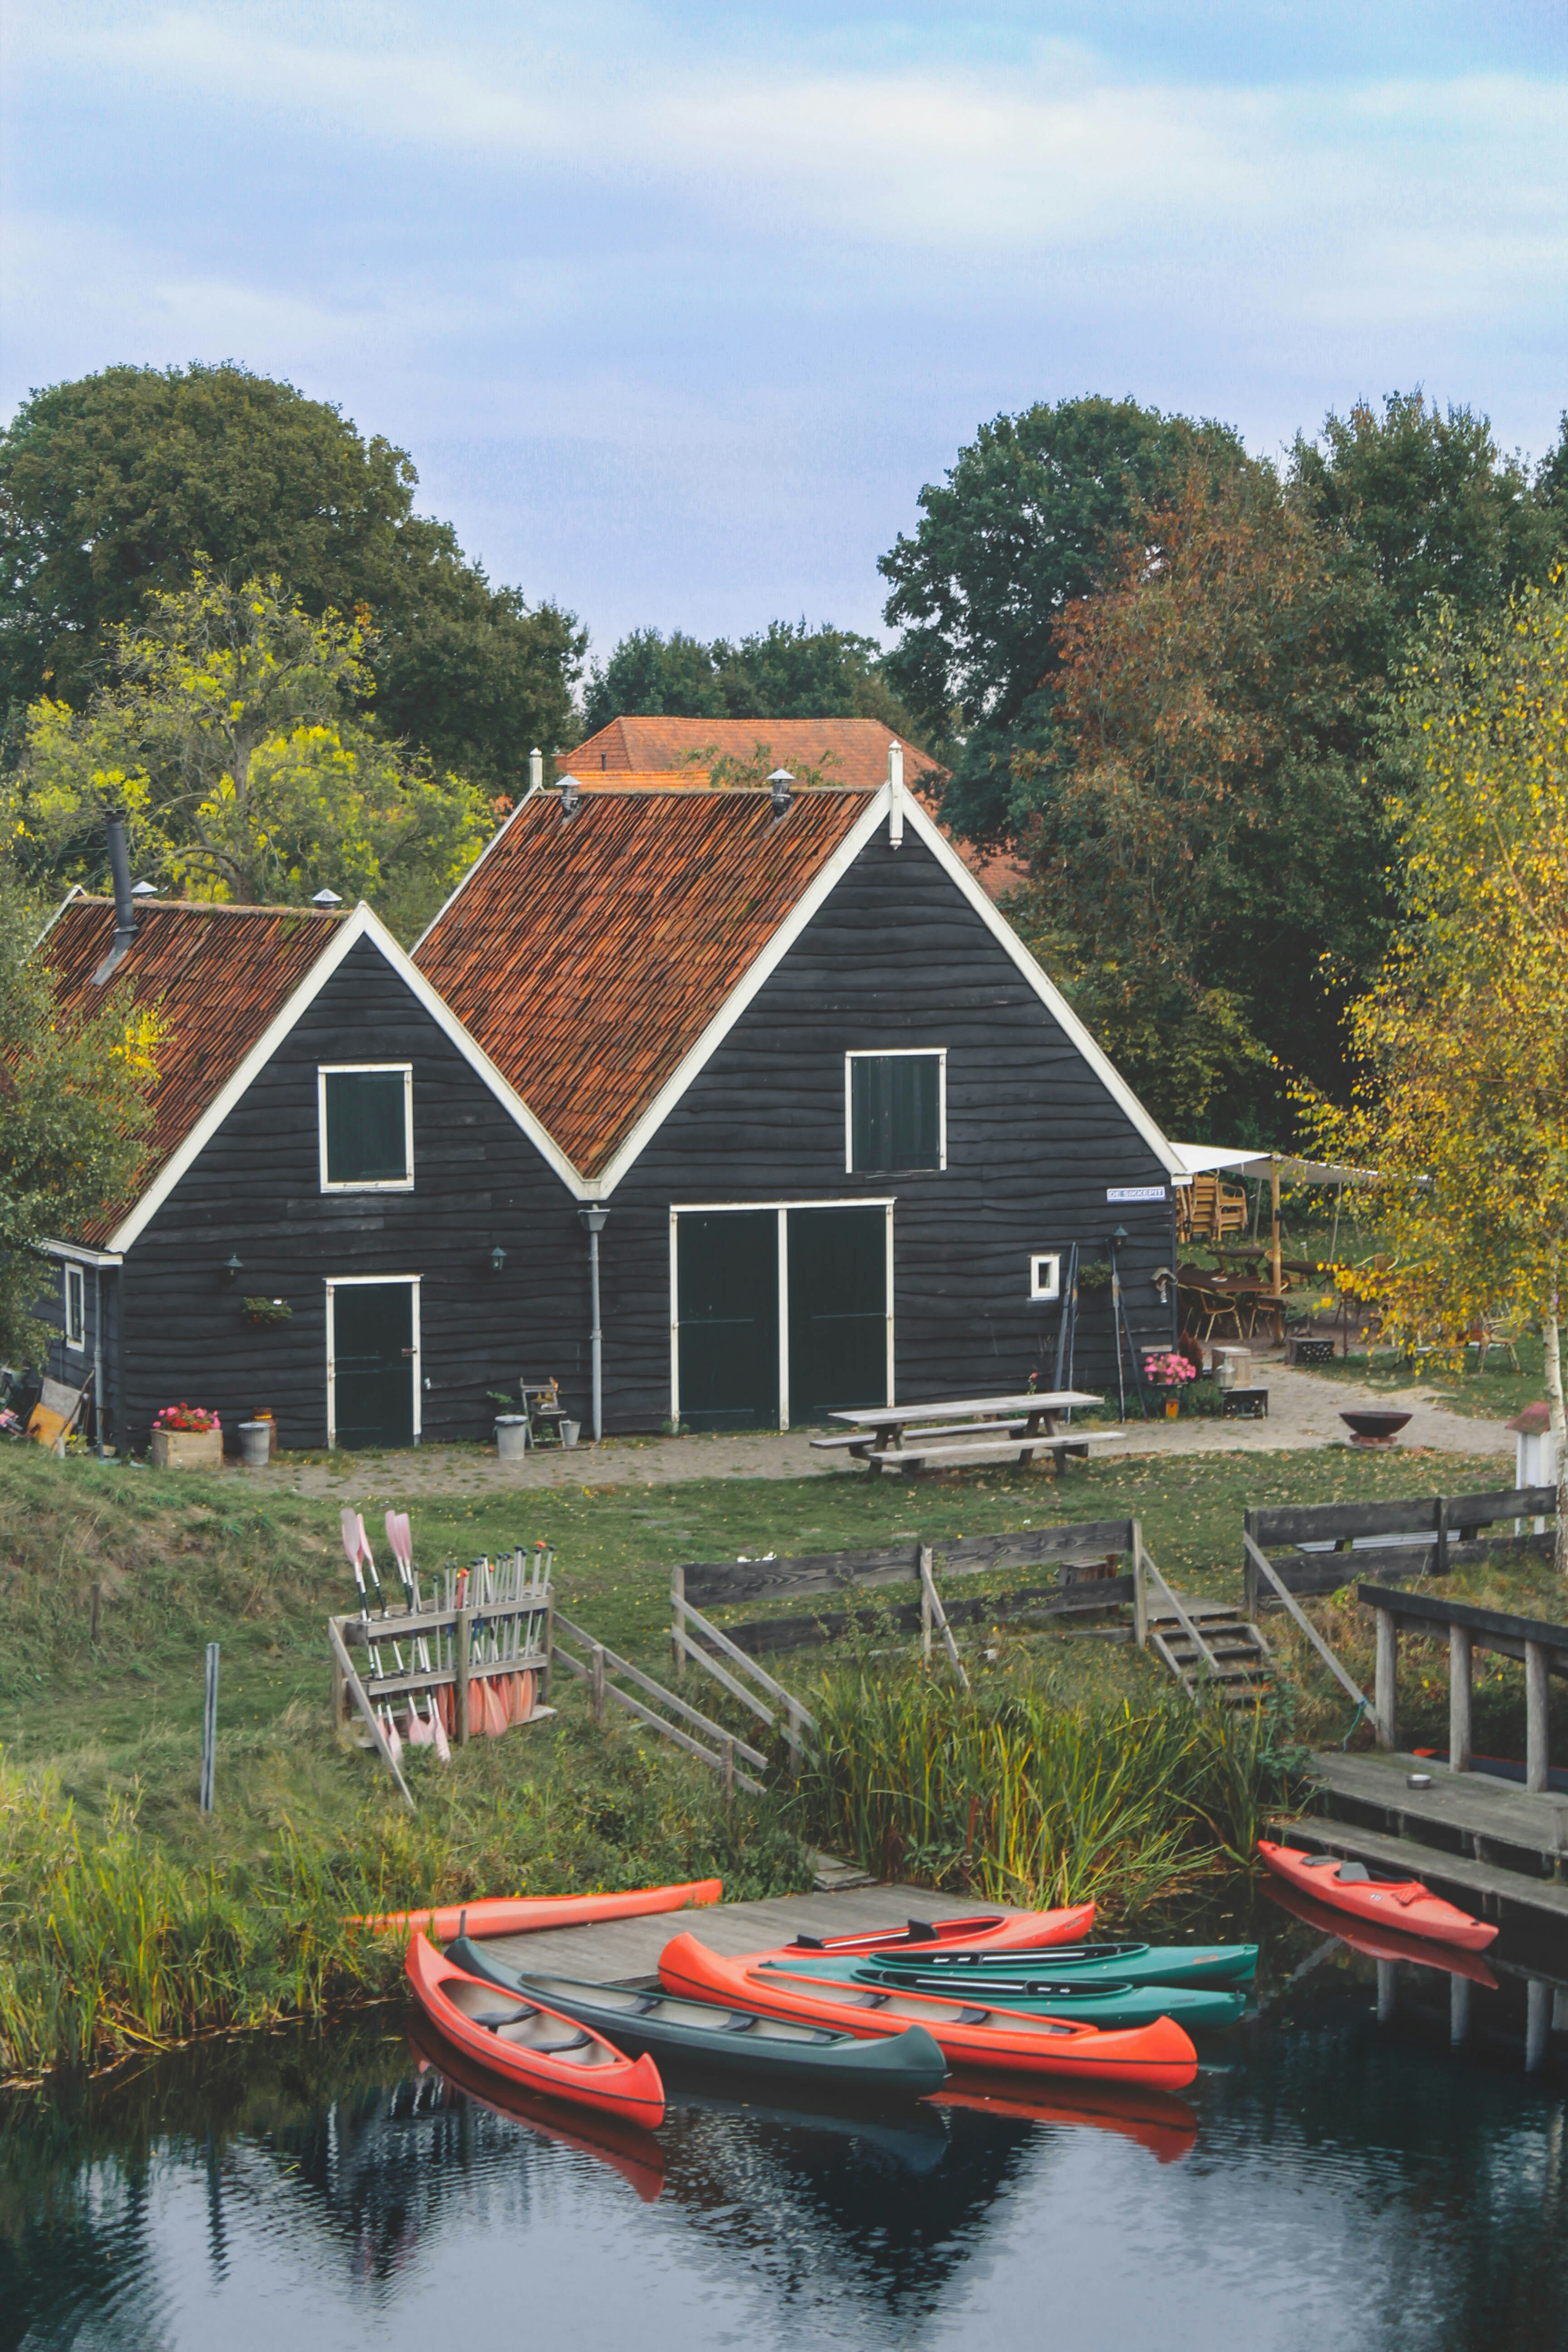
point(350, 1535)
point(418, 1730)
point(438, 1735)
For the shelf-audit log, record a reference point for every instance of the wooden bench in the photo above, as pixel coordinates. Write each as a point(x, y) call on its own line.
point(861, 1442)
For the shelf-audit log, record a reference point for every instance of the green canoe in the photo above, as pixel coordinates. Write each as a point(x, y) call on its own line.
point(1205, 2007)
point(991, 1976)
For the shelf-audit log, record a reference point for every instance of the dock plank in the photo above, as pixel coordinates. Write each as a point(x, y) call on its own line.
point(1462, 1804)
point(619, 1951)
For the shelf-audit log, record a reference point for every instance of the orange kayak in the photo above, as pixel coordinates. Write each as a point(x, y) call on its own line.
point(1402, 1903)
point(988, 1931)
point(517, 1914)
point(1380, 1943)
point(519, 2042)
point(996, 2040)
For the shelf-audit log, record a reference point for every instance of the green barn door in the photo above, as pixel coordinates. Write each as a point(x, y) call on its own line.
point(727, 1309)
point(373, 1367)
point(837, 1310)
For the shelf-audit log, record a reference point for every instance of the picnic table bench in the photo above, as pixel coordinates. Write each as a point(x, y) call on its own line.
point(967, 1429)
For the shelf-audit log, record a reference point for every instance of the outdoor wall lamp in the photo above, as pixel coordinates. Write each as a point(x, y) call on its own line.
point(1162, 1278)
point(233, 1266)
point(497, 1259)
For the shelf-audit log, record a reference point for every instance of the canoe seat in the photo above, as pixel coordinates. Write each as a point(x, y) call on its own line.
point(543, 2034)
point(1354, 1873)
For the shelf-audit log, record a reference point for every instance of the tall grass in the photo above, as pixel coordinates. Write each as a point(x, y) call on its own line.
point(1029, 1801)
point(114, 1945)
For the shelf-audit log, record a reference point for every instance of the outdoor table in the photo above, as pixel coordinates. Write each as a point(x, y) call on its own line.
point(881, 1429)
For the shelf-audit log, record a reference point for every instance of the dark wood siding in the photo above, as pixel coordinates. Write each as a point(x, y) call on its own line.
point(1035, 1140)
point(255, 1193)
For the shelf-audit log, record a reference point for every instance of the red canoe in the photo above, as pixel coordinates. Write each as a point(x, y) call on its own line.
point(517, 1914)
point(519, 2042)
point(635, 2154)
point(1380, 1943)
point(996, 2040)
point(987, 1931)
point(1402, 1903)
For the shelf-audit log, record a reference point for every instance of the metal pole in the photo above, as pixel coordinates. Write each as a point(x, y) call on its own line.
point(209, 1731)
point(98, 1361)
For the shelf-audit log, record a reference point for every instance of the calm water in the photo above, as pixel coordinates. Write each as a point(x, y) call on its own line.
point(1330, 2181)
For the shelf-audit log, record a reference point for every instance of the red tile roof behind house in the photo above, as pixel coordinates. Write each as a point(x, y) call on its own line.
point(855, 749)
point(219, 976)
point(587, 955)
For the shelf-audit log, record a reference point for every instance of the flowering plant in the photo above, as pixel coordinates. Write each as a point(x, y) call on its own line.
point(186, 1416)
point(1169, 1371)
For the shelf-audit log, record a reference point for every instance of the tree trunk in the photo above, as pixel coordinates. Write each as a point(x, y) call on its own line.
point(1552, 1354)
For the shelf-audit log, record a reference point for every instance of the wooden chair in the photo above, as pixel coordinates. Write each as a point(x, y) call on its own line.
point(1213, 1209)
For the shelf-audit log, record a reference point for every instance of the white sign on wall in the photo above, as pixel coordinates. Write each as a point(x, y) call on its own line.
point(1135, 1192)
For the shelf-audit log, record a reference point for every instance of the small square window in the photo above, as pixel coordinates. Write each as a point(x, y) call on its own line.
point(1046, 1275)
point(368, 1142)
point(76, 1308)
point(897, 1113)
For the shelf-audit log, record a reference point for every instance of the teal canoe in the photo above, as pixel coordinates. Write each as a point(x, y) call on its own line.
point(1203, 2008)
point(991, 1978)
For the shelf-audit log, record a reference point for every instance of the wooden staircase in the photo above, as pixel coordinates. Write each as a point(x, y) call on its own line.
point(1211, 1649)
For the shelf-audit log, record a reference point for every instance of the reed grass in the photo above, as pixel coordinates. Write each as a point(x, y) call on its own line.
point(1010, 1793)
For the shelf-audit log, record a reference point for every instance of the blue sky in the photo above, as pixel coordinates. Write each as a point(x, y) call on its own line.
point(677, 308)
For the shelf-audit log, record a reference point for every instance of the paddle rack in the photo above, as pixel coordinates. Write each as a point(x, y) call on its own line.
point(481, 1658)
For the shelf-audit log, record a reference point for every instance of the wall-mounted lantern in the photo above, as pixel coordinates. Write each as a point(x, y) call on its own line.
point(233, 1266)
point(497, 1259)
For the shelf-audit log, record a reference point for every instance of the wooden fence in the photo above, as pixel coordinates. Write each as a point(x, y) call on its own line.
point(1443, 1531)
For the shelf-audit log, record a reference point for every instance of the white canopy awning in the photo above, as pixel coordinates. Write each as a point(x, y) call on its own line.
point(1210, 1159)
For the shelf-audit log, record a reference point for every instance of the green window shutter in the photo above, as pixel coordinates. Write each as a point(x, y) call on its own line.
point(367, 1135)
point(895, 1104)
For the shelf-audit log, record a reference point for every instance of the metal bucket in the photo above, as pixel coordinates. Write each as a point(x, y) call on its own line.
point(256, 1444)
point(511, 1435)
point(571, 1430)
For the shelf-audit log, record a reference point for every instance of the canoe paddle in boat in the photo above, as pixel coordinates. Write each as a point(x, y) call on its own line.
point(1379, 1943)
point(625, 2149)
point(810, 2059)
point(996, 2040)
point(1394, 1902)
point(1085, 1964)
point(519, 1915)
point(520, 2042)
point(992, 1931)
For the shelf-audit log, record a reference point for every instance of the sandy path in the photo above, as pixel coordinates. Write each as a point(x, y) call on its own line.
point(1303, 1411)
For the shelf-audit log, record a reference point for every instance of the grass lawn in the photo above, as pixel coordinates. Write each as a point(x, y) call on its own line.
point(305, 1829)
point(1496, 1394)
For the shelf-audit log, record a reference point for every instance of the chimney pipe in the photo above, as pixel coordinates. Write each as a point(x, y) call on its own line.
point(780, 784)
point(124, 904)
point(571, 796)
point(535, 769)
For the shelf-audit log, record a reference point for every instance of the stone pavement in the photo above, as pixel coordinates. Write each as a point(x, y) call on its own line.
point(1303, 1411)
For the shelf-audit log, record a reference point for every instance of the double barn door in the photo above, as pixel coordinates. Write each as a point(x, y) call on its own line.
point(781, 1314)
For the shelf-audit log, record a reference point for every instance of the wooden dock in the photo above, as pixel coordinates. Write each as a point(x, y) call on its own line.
point(625, 1951)
point(1498, 1847)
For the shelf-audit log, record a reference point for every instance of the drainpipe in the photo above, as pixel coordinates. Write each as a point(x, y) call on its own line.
point(98, 1359)
point(594, 1215)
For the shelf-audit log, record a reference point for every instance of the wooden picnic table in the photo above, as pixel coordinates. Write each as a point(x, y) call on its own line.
point(879, 1432)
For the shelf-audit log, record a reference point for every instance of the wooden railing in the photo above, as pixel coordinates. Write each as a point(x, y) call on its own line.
point(599, 1667)
point(1542, 1646)
point(1443, 1528)
point(1265, 1568)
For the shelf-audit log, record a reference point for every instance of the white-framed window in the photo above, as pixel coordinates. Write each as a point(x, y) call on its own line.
point(895, 1111)
point(75, 1307)
point(1046, 1273)
point(366, 1123)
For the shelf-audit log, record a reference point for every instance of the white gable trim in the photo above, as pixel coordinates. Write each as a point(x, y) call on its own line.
point(1007, 938)
point(361, 924)
point(494, 842)
point(696, 1059)
point(878, 809)
point(75, 892)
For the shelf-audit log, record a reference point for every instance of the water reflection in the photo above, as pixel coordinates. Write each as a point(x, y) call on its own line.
point(1335, 2181)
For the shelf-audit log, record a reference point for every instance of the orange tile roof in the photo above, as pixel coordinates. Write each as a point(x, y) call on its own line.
point(855, 748)
point(220, 975)
point(588, 955)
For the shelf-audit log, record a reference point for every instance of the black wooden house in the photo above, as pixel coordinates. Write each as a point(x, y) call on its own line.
point(836, 1128)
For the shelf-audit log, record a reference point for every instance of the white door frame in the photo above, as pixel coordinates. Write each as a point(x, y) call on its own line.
point(336, 1282)
point(781, 1209)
